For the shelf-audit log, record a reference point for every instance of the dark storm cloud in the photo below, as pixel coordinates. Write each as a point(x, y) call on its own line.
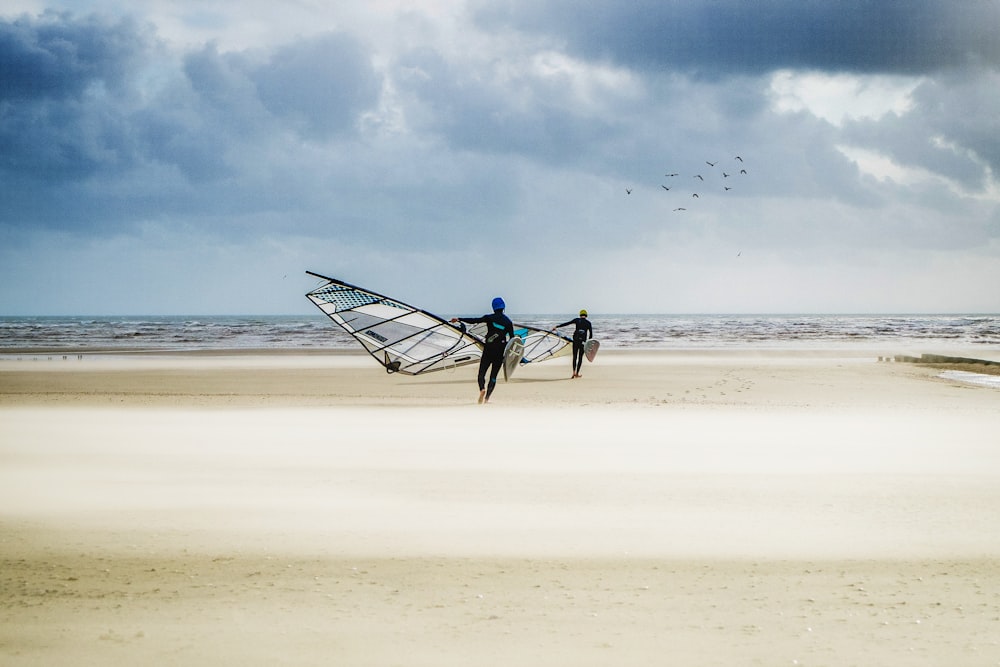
point(478, 109)
point(953, 131)
point(220, 81)
point(57, 77)
point(322, 84)
point(57, 57)
point(211, 106)
point(964, 110)
point(99, 124)
point(731, 36)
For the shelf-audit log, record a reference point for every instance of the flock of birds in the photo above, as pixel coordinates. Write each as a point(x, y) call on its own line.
point(737, 171)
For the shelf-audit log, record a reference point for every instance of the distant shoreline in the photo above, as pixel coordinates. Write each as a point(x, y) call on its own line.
point(988, 354)
point(203, 351)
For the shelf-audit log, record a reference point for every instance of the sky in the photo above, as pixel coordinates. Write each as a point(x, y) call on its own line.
point(199, 156)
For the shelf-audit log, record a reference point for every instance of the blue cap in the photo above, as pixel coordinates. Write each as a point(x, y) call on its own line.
point(498, 304)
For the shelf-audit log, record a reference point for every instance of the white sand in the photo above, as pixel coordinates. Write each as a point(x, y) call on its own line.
point(695, 509)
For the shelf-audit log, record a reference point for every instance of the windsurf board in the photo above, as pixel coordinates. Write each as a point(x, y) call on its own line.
point(512, 355)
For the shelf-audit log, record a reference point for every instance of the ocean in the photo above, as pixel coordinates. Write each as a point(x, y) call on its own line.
point(893, 333)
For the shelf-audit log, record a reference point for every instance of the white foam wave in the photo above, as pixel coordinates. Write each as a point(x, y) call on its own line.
point(973, 378)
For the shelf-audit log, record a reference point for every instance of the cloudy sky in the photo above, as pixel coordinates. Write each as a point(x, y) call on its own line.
point(198, 156)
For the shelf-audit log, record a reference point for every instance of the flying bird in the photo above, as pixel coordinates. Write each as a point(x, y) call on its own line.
point(725, 175)
point(671, 174)
point(743, 171)
point(628, 191)
point(727, 187)
point(680, 209)
point(739, 158)
point(665, 188)
point(711, 164)
point(696, 195)
point(698, 176)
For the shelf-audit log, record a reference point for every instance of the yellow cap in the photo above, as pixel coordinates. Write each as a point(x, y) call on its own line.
point(583, 313)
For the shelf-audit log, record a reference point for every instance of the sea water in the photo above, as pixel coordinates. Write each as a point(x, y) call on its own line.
point(893, 333)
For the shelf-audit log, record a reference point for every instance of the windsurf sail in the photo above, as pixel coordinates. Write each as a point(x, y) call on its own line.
point(539, 344)
point(402, 338)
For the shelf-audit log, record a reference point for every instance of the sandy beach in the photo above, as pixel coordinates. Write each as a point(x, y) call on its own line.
point(690, 508)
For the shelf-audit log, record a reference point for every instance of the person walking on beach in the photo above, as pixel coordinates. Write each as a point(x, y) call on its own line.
point(581, 334)
point(499, 330)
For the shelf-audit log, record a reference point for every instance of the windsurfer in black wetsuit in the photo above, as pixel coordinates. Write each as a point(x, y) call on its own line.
point(499, 329)
point(581, 333)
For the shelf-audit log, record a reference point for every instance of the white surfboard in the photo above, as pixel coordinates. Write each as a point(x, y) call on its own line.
point(590, 348)
point(512, 355)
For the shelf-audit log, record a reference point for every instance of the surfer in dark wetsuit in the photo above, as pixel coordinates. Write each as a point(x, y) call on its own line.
point(581, 333)
point(499, 330)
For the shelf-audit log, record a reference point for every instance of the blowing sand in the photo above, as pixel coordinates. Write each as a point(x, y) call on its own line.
point(809, 508)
